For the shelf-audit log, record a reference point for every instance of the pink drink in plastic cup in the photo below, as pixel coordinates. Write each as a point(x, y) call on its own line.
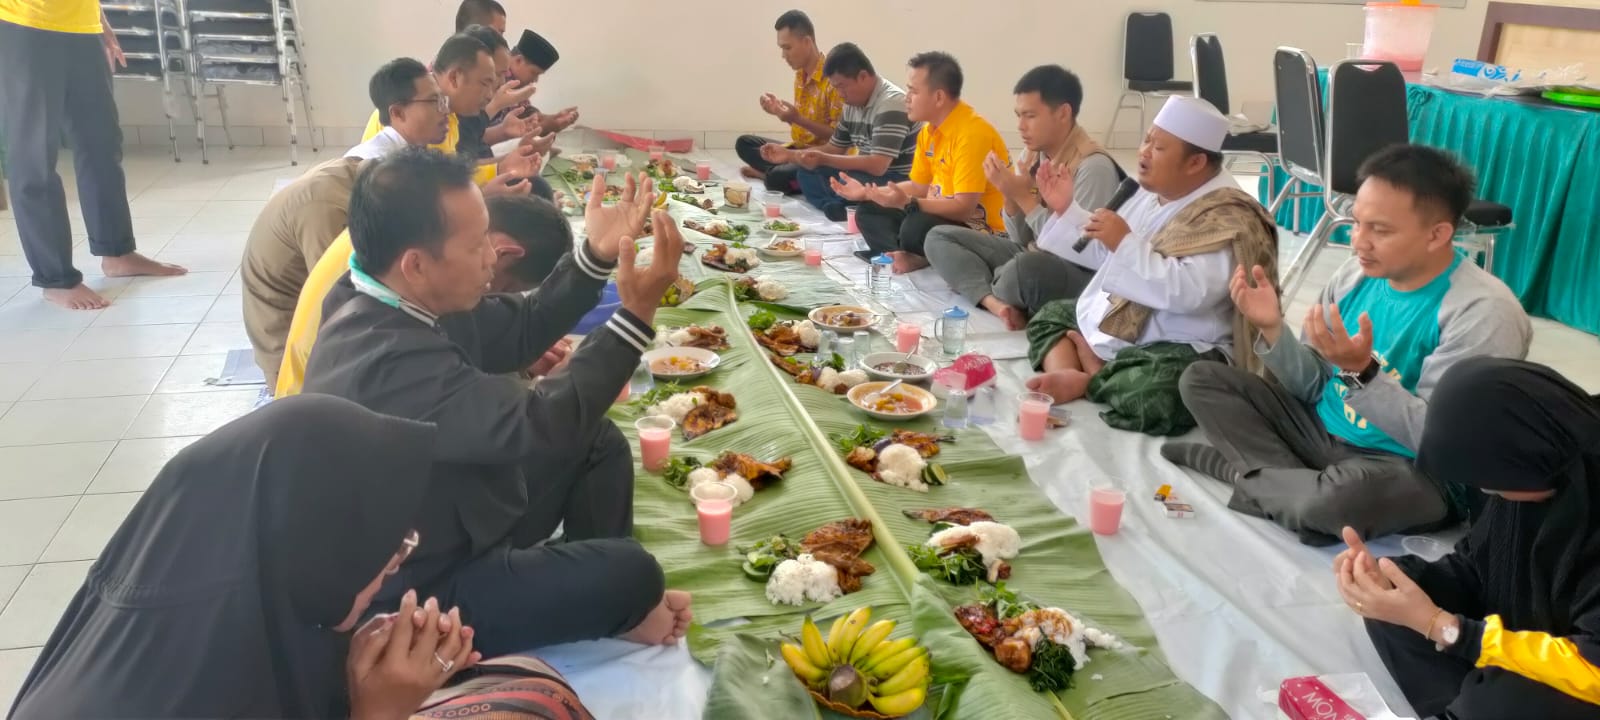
point(657, 152)
point(814, 257)
point(907, 337)
point(713, 504)
point(655, 441)
point(1105, 510)
point(702, 171)
point(850, 219)
point(608, 160)
point(1032, 417)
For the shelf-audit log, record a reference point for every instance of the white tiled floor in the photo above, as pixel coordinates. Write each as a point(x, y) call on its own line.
point(92, 404)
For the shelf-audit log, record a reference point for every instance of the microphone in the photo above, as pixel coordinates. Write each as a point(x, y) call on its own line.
point(1126, 190)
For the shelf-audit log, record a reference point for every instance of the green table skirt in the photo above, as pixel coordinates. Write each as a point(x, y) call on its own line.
point(1543, 162)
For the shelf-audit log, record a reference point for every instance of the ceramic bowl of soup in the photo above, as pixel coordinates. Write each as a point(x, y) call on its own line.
point(842, 318)
point(906, 401)
point(680, 363)
point(887, 366)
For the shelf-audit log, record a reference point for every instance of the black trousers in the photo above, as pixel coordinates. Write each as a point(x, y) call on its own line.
point(1435, 683)
point(887, 229)
point(525, 593)
point(52, 84)
point(780, 178)
point(1294, 473)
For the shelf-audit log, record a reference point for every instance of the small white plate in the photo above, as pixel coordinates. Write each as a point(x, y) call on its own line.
point(858, 397)
point(708, 362)
point(768, 249)
point(817, 318)
point(783, 233)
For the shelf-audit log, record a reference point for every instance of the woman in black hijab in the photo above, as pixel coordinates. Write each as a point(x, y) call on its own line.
point(227, 592)
point(1508, 626)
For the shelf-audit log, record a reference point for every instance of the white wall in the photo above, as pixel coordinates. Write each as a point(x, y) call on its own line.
point(660, 66)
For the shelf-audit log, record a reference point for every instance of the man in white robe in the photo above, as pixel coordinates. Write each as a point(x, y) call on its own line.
point(1159, 297)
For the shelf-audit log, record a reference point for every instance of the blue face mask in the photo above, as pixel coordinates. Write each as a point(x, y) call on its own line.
point(369, 286)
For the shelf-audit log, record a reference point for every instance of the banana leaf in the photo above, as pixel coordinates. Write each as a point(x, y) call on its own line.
point(1059, 564)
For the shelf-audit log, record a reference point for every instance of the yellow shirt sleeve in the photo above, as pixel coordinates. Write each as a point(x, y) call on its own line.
point(921, 164)
point(373, 128)
point(79, 17)
point(308, 315)
point(1541, 657)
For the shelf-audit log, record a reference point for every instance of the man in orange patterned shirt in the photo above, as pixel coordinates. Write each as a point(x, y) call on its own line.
point(811, 117)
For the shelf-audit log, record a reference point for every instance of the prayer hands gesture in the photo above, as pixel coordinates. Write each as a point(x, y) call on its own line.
point(775, 153)
point(1108, 227)
point(397, 660)
point(539, 144)
point(1351, 353)
point(888, 195)
point(612, 227)
point(516, 125)
point(524, 161)
point(779, 108)
point(1257, 300)
point(1380, 590)
point(640, 288)
point(564, 119)
point(1055, 187)
point(808, 158)
point(1010, 183)
point(849, 188)
point(511, 94)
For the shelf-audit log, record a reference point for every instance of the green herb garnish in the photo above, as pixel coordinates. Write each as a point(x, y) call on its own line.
point(762, 321)
point(781, 226)
point(963, 566)
point(763, 557)
point(1005, 602)
point(862, 435)
point(677, 472)
point(656, 395)
point(1052, 667)
point(737, 233)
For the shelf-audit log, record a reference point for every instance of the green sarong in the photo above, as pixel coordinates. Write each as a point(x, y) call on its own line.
point(1140, 383)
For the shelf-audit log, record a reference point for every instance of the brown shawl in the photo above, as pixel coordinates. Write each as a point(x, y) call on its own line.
point(1217, 220)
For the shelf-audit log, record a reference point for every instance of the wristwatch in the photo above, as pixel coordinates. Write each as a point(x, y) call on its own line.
point(1449, 633)
point(1358, 380)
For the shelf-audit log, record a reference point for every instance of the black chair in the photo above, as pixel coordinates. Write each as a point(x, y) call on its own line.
point(1211, 85)
point(1146, 66)
point(1367, 113)
point(1301, 144)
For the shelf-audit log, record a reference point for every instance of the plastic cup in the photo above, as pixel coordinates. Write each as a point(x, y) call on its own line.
point(813, 252)
point(655, 441)
point(702, 171)
point(772, 203)
point(1352, 51)
point(1033, 414)
point(1105, 510)
point(713, 503)
point(608, 159)
point(907, 337)
point(736, 194)
point(850, 219)
point(1426, 548)
point(657, 151)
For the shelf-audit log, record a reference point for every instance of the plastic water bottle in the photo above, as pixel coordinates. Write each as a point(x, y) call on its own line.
point(955, 408)
point(880, 276)
point(951, 329)
point(981, 406)
point(642, 381)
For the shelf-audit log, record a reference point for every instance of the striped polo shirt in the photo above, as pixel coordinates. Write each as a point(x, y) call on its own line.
point(880, 128)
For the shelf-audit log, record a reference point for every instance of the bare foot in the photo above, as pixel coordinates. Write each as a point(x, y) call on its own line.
point(752, 173)
point(76, 298)
point(1061, 385)
point(905, 262)
point(1090, 362)
point(1013, 317)
point(666, 624)
point(135, 264)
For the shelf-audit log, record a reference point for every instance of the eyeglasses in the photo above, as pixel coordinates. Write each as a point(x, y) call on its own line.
point(441, 100)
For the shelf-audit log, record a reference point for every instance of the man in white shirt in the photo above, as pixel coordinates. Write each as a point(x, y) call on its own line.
point(1159, 299)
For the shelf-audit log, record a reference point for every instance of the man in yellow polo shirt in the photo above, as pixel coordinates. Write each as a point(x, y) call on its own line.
point(948, 185)
point(811, 117)
point(56, 59)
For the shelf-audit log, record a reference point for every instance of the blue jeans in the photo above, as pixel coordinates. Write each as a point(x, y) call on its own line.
point(814, 184)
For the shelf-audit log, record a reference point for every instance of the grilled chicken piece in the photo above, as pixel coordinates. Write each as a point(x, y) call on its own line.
point(1000, 570)
point(759, 474)
point(707, 338)
point(782, 339)
point(953, 515)
point(925, 444)
point(863, 458)
point(715, 396)
point(849, 567)
point(1014, 654)
point(853, 536)
point(794, 369)
point(717, 411)
point(980, 622)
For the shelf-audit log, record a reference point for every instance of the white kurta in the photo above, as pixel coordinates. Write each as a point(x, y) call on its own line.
point(1189, 295)
point(386, 141)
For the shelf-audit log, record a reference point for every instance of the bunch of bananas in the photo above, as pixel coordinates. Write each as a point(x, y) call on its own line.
point(858, 664)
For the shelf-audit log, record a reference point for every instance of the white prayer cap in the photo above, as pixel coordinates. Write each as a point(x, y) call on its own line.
point(1193, 120)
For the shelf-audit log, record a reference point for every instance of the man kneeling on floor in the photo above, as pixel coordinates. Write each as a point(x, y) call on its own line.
point(1334, 444)
point(1159, 301)
point(410, 333)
